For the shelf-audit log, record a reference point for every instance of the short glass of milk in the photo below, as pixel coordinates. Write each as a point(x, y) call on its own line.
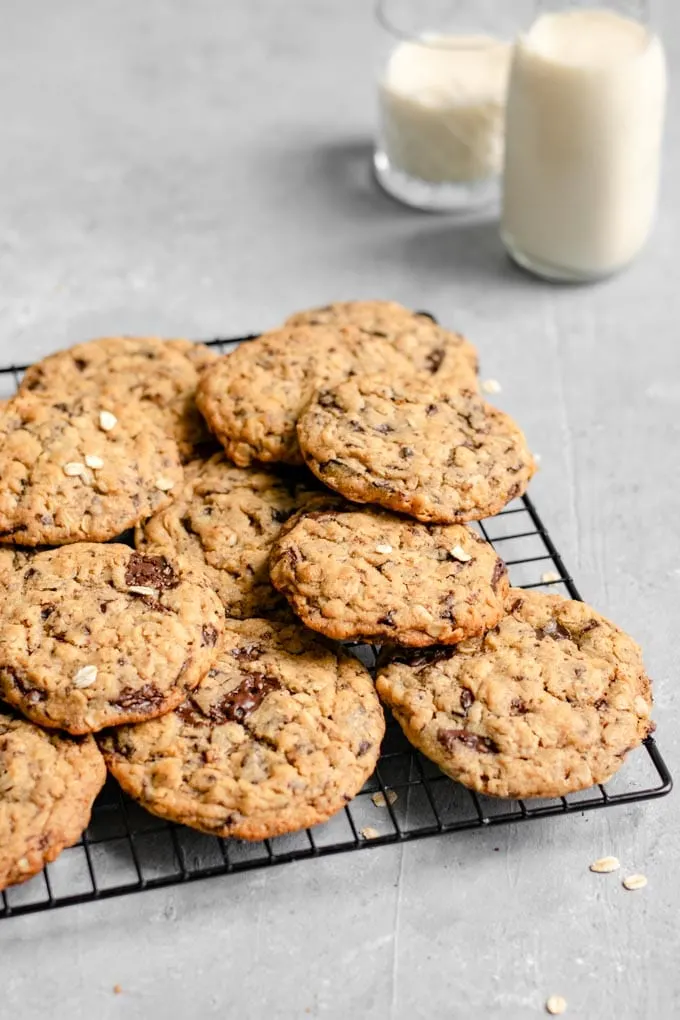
point(442, 84)
point(585, 115)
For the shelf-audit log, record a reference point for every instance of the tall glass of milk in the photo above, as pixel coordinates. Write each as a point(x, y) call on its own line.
point(442, 85)
point(584, 127)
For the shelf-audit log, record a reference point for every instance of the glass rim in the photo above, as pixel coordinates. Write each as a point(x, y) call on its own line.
point(473, 42)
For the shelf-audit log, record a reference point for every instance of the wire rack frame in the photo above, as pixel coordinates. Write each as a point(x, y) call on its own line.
point(126, 850)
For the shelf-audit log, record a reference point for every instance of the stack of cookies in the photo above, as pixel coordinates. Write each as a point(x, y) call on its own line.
point(313, 486)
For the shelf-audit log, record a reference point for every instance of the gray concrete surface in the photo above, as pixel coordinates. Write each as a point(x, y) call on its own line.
point(201, 168)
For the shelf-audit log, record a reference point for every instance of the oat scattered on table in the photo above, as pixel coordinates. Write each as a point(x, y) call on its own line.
point(633, 882)
point(605, 865)
point(556, 1005)
point(369, 832)
point(380, 800)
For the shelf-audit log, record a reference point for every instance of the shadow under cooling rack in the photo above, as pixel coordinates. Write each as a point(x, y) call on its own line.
point(127, 850)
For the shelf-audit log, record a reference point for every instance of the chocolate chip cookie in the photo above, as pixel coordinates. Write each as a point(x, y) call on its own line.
point(434, 351)
point(547, 703)
point(159, 374)
point(224, 522)
point(447, 457)
point(48, 783)
point(254, 395)
point(80, 468)
point(280, 735)
point(98, 635)
point(370, 575)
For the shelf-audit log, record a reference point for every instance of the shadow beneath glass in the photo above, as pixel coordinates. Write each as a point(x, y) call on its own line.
point(345, 169)
point(338, 179)
point(456, 250)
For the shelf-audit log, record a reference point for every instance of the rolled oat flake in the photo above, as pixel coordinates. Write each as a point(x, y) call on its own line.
point(604, 865)
point(633, 882)
point(556, 1005)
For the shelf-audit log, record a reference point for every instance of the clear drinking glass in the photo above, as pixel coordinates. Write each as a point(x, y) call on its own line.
point(584, 127)
point(442, 85)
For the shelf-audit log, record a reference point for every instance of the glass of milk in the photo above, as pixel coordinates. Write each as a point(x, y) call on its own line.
point(442, 85)
point(584, 127)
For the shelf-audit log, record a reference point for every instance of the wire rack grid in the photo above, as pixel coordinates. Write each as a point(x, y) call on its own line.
point(126, 850)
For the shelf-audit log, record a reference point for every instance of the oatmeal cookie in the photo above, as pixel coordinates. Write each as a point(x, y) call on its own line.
point(435, 352)
point(369, 575)
point(447, 457)
point(161, 375)
point(547, 703)
point(281, 735)
point(80, 468)
point(98, 635)
point(48, 783)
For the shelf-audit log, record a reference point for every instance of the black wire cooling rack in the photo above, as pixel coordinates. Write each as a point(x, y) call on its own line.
point(126, 850)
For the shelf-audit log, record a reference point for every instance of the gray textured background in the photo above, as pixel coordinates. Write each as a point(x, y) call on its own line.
point(201, 168)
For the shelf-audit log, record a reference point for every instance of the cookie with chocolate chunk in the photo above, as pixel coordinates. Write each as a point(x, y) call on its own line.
point(98, 635)
point(282, 733)
point(48, 783)
point(448, 357)
point(369, 575)
point(253, 396)
point(81, 468)
point(223, 523)
point(160, 375)
point(547, 703)
point(441, 456)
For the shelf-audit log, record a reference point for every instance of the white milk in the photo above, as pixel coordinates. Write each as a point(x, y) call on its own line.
point(443, 105)
point(583, 139)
